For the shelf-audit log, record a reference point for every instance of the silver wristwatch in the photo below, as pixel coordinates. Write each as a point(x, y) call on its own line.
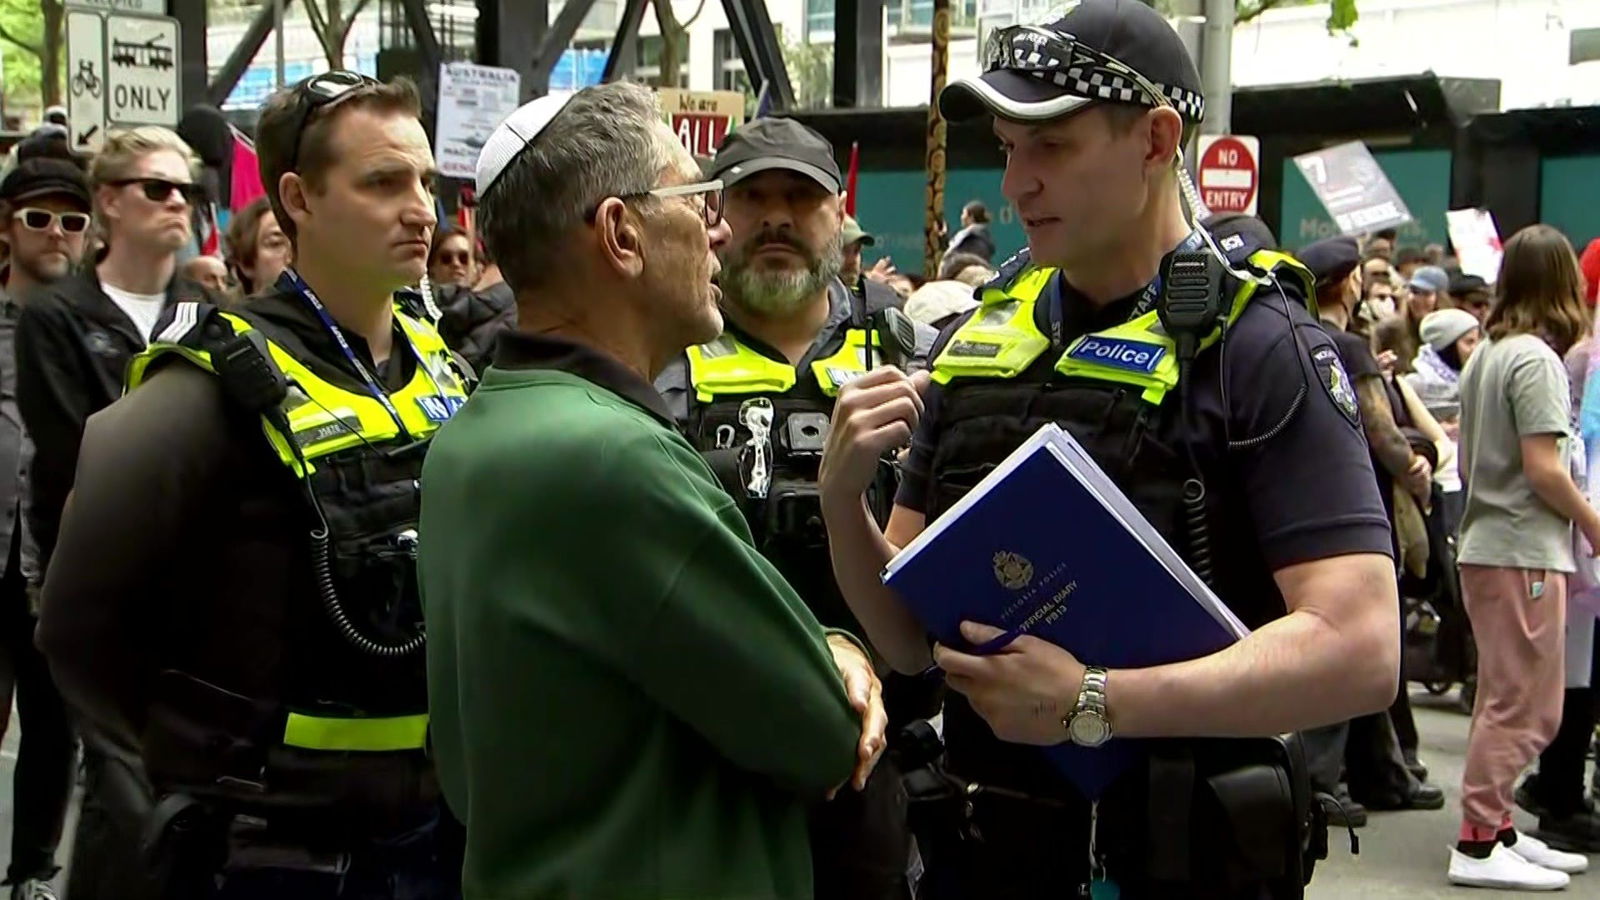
point(1089, 725)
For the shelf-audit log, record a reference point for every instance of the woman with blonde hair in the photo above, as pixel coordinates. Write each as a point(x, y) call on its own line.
point(1516, 551)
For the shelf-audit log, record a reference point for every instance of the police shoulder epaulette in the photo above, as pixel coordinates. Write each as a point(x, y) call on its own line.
point(189, 323)
point(1237, 249)
point(1011, 268)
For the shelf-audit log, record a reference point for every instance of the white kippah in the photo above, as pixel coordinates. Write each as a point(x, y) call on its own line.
point(511, 136)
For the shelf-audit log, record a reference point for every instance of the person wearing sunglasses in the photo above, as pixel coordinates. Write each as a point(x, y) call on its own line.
point(787, 312)
point(47, 223)
point(45, 202)
point(1245, 455)
point(595, 604)
point(277, 448)
point(450, 259)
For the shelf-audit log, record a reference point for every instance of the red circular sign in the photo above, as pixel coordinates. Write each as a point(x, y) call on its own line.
point(1230, 176)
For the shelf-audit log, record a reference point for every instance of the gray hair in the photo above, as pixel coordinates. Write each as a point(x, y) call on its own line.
point(606, 142)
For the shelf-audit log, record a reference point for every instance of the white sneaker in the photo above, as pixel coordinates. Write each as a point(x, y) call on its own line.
point(1539, 853)
point(1503, 869)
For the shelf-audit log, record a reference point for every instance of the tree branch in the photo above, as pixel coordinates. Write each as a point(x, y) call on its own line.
point(35, 49)
point(319, 25)
point(1246, 13)
point(697, 11)
point(350, 21)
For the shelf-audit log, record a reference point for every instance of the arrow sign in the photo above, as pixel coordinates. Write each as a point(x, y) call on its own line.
point(86, 79)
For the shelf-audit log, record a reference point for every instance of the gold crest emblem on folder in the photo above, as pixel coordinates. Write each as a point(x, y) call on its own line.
point(1012, 571)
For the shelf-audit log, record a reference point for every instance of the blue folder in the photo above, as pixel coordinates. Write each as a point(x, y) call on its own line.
point(1047, 545)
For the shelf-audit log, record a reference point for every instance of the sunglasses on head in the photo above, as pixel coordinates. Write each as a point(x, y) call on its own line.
point(157, 190)
point(35, 219)
point(1080, 69)
point(316, 92)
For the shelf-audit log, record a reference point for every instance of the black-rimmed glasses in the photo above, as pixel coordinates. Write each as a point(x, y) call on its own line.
point(35, 219)
point(157, 190)
point(319, 91)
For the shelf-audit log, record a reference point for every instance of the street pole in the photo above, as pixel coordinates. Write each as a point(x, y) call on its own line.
point(277, 31)
point(934, 161)
point(1216, 66)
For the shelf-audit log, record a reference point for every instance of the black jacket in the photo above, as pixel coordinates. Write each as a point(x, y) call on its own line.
point(73, 348)
point(472, 321)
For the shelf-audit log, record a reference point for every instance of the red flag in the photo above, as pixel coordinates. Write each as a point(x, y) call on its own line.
point(211, 238)
point(246, 174)
point(850, 179)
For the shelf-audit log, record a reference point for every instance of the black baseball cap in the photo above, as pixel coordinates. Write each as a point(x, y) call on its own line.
point(767, 144)
point(1462, 283)
point(44, 177)
point(1040, 73)
point(1331, 259)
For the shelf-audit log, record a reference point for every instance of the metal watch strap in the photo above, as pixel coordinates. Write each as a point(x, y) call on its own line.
point(1092, 695)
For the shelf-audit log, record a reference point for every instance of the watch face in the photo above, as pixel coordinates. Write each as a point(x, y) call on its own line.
point(1088, 729)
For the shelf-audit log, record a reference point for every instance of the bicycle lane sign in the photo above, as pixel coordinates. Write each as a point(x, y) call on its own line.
point(86, 81)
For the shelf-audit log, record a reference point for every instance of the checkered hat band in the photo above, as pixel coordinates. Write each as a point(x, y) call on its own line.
point(1106, 84)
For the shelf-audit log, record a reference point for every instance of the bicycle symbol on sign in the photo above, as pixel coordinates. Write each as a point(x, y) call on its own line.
point(86, 81)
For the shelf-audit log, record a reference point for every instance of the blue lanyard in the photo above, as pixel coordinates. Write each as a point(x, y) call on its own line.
point(376, 390)
point(1147, 297)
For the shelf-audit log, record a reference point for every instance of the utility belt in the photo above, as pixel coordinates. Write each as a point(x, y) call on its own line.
point(250, 756)
point(1205, 818)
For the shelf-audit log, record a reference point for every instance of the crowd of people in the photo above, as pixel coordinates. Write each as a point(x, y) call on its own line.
point(373, 557)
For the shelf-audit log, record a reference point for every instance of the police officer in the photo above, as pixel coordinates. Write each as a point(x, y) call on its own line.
point(1246, 454)
point(235, 588)
point(756, 403)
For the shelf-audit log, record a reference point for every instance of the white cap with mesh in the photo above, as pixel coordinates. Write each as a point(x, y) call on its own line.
point(514, 134)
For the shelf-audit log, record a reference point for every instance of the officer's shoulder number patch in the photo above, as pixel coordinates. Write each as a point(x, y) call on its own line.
point(1337, 382)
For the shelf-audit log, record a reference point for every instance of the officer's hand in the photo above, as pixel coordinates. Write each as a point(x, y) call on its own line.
point(865, 691)
point(1387, 361)
point(875, 415)
point(1023, 691)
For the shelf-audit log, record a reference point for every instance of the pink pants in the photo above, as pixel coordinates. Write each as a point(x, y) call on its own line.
point(1521, 641)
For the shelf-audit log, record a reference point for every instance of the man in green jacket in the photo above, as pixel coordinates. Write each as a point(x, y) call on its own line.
point(628, 701)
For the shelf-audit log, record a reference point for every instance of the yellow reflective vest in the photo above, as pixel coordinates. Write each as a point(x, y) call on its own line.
point(1002, 338)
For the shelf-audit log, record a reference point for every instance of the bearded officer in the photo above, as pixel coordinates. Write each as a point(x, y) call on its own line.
point(756, 403)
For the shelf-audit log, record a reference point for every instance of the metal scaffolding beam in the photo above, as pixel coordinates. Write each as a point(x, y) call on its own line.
point(422, 32)
point(508, 35)
point(191, 16)
point(758, 46)
point(619, 62)
point(555, 42)
point(858, 53)
point(243, 53)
